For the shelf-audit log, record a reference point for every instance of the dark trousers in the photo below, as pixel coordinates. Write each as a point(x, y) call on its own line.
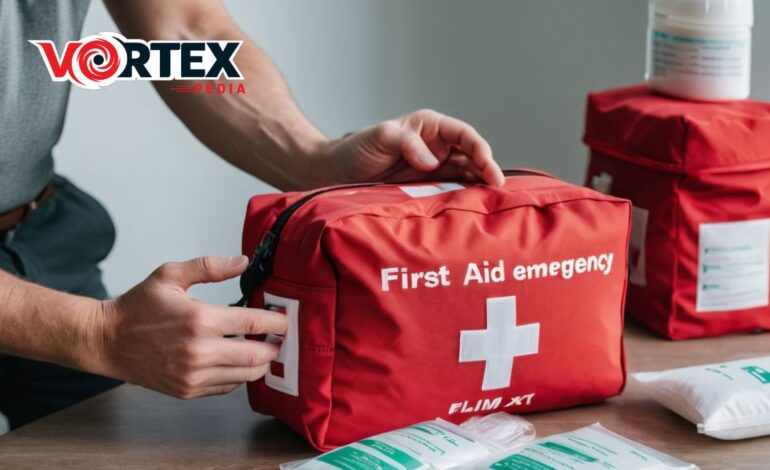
point(60, 246)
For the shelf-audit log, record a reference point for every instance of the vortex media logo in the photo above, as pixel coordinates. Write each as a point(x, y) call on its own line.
point(99, 60)
point(92, 63)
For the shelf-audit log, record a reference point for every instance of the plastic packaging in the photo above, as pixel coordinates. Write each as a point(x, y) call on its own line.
point(435, 444)
point(591, 447)
point(700, 49)
point(726, 401)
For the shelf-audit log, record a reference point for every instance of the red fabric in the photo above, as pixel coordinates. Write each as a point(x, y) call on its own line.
point(373, 360)
point(687, 164)
point(675, 135)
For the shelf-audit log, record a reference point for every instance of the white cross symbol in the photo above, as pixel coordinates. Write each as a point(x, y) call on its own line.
point(499, 343)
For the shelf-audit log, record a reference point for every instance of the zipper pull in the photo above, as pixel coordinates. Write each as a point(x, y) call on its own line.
point(260, 267)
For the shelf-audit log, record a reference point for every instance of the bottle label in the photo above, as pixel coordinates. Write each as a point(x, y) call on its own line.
point(674, 55)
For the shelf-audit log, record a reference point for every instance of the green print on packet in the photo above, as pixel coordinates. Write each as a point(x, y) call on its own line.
point(758, 373)
point(350, 458)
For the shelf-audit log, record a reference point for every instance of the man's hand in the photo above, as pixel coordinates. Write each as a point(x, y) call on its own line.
point(424, 145)
point(156, 336)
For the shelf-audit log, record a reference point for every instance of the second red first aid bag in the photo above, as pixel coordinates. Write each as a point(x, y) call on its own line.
point(410, 302)
point(698, 175)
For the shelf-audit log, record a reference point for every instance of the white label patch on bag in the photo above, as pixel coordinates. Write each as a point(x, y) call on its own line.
point(636, 252)
point(602, 182)
point(288, 356)
point(733, 259)
point(499, 343)
point(431, 189)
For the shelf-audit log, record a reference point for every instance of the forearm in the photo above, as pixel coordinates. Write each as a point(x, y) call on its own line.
point(154, 335)
point(47, 325)
point(262, 131)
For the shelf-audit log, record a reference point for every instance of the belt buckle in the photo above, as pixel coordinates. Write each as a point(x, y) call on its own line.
point(9, 235)
point(28, 209)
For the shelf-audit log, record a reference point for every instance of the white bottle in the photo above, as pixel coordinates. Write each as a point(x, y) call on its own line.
point(700, 49)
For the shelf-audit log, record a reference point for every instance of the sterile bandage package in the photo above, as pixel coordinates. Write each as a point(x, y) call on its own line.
point(730, 400)
point(434, 445)
point(408, 302)
point(591, 447)
point(698, 175)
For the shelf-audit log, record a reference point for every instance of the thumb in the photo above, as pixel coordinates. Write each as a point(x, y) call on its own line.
point(416, 152)
point(397, 140)
point(202, 269)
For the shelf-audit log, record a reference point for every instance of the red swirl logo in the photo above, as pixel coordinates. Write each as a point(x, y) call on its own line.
point(99, 59)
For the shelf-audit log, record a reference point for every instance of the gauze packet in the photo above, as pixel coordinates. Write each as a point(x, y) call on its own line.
point(591, 447)
point(730, 400)
point(436, 444)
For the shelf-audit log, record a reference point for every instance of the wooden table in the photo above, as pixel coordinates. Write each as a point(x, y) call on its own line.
point(134, 428)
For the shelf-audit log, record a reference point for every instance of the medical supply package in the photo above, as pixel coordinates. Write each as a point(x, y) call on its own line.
point(730, 400)
point(430, 445)
point(591, 447)
point(416, 301)
point(698, 175)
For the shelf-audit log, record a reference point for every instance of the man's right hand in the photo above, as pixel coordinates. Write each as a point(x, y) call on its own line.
point(156, 336)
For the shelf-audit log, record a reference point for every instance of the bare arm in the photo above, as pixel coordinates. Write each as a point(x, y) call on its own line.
point(154, 335)
point(264, 133)
point(47, 325)
point(264, 121)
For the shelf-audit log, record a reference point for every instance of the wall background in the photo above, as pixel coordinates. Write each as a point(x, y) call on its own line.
point(518, 70)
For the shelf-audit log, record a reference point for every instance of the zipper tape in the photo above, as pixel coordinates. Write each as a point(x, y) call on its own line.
point(261, 264)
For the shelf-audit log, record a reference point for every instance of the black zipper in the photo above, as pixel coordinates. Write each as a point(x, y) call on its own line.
point(261, 265)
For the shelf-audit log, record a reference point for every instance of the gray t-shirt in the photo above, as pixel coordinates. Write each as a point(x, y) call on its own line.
point(32, 106)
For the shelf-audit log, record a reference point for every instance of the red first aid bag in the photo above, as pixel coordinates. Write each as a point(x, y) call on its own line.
point(698, 175)
point(411, 302)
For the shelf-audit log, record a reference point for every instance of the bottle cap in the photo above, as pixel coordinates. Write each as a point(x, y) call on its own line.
point(705, 12)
